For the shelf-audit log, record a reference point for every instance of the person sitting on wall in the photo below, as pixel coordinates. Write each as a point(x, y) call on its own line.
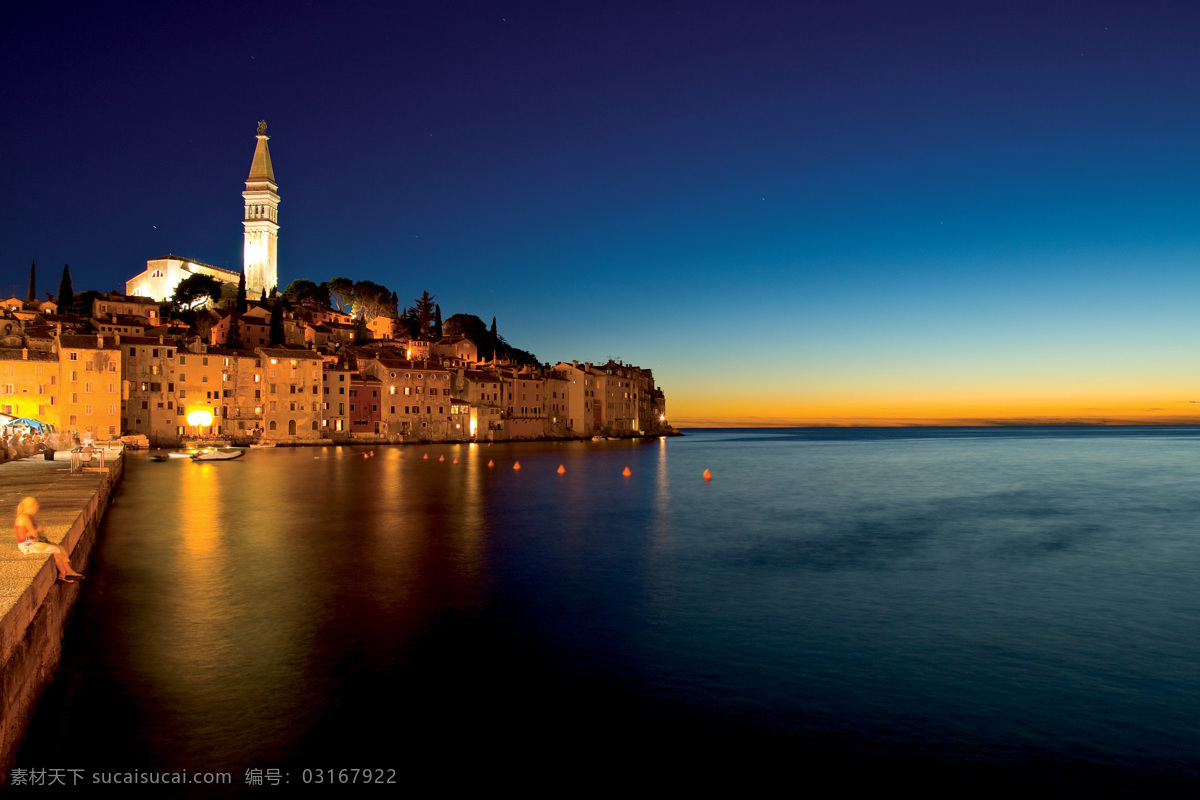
point(31, 541)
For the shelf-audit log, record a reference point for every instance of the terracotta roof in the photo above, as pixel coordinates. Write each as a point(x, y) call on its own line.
point(14, 354)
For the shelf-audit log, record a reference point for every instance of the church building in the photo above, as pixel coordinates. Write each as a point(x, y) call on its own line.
point(259, 251)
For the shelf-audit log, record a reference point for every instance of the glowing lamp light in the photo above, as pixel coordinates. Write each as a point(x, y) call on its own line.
point(200, 417)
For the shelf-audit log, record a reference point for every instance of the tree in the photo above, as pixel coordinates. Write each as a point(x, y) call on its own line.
point(242, 304)
point(437, 323)
point(66, 295)
point(84, 302)
point(276, 331)
point(302, 292)
point(371, 300)
point(32, 296)
point(195, 290)
point(341, 293)
point(422, 312)
point(470, 326)
point(494, 342)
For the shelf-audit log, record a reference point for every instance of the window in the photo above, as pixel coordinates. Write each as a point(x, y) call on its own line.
point(73, 356)
point(182, 360)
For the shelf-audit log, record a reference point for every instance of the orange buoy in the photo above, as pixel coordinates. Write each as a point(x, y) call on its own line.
point(561, 469)
point(627, 473)
point(707, 475)
point(425, 456)
point(441, 458)
point(517, 465)
point(491, 463)
point(456, 461)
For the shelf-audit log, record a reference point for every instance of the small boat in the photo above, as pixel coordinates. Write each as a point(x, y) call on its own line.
point(222, 454)
point(262, 444)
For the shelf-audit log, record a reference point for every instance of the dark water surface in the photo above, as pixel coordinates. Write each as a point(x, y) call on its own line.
point(979, 605)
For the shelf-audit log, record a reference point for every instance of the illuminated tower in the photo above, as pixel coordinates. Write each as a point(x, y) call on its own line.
point(261, 222)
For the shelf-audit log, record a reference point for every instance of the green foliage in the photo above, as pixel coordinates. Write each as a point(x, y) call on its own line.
point(195, 290)
point(422, 312)
point(468, 325)
point(66, 295)
point(242, 304)
point(83, 303)
point(276, 329)
point(361, 332)
point(372, 300)
point(302, 292)
point(341, 293)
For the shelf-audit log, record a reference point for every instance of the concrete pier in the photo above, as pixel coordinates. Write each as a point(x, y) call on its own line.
point(33, 603)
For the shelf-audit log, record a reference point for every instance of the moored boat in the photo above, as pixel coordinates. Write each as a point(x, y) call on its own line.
point(222, 454)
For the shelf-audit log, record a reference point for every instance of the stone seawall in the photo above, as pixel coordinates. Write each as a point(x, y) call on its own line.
point(37, 605)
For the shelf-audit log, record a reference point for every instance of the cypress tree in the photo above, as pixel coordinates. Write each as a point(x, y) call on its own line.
point(242, 305)
point(437, 322)
point(277, 336)
point(66, 295)
point(495, 343)
point(32, 282)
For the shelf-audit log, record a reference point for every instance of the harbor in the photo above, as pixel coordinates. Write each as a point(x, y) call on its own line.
point(73, 496)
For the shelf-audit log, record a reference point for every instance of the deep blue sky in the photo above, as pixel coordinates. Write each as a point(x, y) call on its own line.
point(869, 202)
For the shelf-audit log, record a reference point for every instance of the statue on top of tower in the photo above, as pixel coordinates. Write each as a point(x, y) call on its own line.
point(262, 127)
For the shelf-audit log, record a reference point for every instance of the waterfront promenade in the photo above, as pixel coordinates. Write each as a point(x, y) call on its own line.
point(33, 604)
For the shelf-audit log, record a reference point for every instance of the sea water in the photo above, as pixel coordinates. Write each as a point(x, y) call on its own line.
point(1016, 605)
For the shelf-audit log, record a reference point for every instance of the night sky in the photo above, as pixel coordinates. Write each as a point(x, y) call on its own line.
point(793, 212)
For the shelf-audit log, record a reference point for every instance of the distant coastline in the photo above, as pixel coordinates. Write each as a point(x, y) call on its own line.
point(1033, 422)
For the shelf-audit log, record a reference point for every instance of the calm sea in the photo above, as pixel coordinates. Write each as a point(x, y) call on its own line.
point(980, 606)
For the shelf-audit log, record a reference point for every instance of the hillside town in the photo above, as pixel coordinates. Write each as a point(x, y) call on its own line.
point(187, 353)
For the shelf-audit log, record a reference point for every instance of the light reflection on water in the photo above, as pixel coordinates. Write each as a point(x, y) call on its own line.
point(1015, 603)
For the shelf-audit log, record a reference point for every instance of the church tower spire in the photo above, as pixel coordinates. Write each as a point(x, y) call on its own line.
point(261, 221)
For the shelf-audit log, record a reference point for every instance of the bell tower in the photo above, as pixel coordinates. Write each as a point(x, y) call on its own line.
point(261, 221)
